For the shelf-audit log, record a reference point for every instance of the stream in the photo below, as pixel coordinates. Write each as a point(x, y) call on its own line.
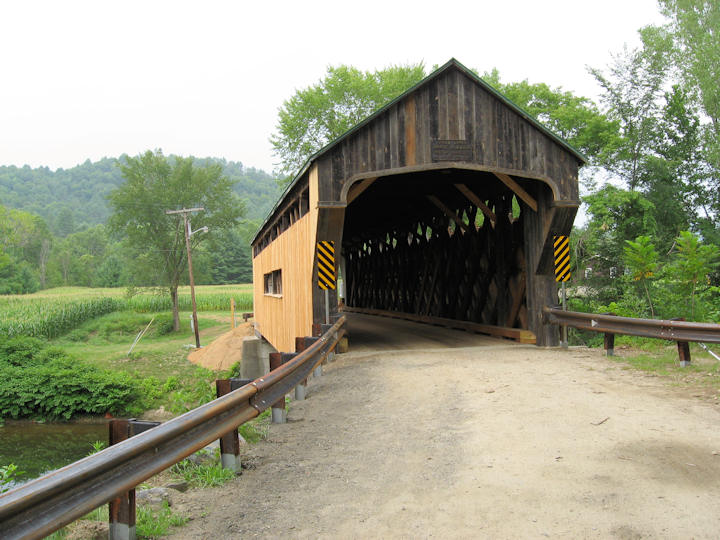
point(37, 448)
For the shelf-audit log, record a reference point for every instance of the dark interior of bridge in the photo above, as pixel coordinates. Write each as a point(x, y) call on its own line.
point(445, 243)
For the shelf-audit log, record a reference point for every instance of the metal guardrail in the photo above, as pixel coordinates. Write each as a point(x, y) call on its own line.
point(46, 504)
point(629, 326)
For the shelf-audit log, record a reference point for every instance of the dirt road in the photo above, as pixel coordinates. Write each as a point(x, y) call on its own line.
point(491, 441)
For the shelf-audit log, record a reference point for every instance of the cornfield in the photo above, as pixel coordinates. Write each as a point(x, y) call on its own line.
point(47, 315)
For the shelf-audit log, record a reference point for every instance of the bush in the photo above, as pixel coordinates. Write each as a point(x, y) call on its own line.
point(37, 381)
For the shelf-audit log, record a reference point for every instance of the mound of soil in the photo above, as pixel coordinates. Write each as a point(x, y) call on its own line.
point(226, 350)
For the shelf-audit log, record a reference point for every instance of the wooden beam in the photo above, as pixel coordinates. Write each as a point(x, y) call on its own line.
point(477, 202)
point(449, 213)
point(517, 290)
point(515, 187)
point(357, 189)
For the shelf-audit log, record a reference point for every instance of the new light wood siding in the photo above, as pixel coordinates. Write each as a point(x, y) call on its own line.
point(281, 319)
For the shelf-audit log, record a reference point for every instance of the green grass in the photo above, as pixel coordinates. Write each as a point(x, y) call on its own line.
point(149, 522)
point(158, 362)
point(203, 475)
point(662, 360)
point(154, 523)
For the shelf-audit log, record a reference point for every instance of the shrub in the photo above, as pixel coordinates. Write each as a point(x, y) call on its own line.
point(40, 381)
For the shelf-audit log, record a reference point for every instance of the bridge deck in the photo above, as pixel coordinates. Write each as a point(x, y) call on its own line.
point(373, 333)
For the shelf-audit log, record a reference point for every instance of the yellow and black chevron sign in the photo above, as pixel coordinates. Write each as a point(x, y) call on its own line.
point(326, 265)
point(562, 258)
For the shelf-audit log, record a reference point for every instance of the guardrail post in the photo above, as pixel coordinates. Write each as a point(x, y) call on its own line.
point(683, 348)
point(301, 388)
point(609, 344)
point(684, 353)
point(319, 330)
point(122, 508)
point(331, 355)
point(230, 442)
point(302, 343)
point(279, 414)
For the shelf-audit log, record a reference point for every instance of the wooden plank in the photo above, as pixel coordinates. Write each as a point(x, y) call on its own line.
point(517, 334)
point(357, 189)
point(520, 192)
point(410, 157)
point(477, 202)
point(517, 290)
point(448, 212)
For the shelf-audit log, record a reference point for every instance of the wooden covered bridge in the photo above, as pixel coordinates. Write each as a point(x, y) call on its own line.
point(443, 204)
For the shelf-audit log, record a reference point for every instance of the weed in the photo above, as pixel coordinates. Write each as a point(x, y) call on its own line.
point(202, 475)
point(97, 446)
point(8, 473)
point(257, 429)
point(154, 523)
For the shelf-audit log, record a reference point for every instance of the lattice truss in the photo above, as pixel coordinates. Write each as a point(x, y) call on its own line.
point(442, 255)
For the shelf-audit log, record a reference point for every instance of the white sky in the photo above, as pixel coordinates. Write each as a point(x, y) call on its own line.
point(88, 79)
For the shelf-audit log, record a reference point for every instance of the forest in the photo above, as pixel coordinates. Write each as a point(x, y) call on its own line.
point(53, 227)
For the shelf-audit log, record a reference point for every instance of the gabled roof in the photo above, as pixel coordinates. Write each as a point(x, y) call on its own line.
point(452, 63)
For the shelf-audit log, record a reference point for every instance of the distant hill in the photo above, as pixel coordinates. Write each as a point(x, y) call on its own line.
point(76, 196)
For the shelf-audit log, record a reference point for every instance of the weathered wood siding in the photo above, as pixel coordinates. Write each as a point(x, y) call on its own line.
point(485, 133)
point(281, 319)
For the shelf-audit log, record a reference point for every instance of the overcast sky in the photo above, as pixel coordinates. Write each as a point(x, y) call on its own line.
point(88, 79)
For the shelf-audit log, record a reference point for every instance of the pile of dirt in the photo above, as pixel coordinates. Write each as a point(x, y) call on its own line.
point(225, 351)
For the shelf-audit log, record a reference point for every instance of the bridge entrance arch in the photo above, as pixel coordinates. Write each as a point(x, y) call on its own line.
point(443, 204)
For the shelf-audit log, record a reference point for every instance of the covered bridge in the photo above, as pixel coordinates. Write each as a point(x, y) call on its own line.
point(443, 204)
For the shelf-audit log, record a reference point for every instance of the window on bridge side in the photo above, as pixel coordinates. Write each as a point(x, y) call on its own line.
point(273, 283)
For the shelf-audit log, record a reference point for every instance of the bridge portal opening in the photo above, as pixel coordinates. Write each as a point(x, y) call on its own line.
point(444, 243)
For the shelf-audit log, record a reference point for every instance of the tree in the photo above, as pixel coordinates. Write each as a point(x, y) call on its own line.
point(631, 93)
point(154, 184)
point(693, 26)
point(320, 113)
point(693, 262)
point(642, 260)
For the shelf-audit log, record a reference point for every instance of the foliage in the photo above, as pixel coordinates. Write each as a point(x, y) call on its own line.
point(8, 473)
point(37, 381)
point(642, 261)
point(316, 115)
point(152, 523)
point(48, 318)
point(153, 185)
point(74, 199)
point(52, 315)
point(204, 473)
point(692, 265)
point(631, 93)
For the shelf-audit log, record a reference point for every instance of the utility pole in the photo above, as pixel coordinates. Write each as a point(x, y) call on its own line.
point(188, 234)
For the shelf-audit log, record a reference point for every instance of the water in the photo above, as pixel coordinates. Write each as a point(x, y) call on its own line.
point(39, 448)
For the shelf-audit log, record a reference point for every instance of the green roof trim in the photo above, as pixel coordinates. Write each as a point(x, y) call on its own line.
point(439, 71)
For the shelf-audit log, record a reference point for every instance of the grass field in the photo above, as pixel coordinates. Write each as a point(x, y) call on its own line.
point(98, 326)
point(53, 312)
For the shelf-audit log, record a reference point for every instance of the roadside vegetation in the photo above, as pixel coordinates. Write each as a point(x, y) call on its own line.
point(72, 357)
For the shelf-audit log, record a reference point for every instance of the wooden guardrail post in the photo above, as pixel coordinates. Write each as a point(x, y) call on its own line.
point(230, 442)
point(609, 341)
point(683, 348)
point(609, 344)
point(122, 508)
